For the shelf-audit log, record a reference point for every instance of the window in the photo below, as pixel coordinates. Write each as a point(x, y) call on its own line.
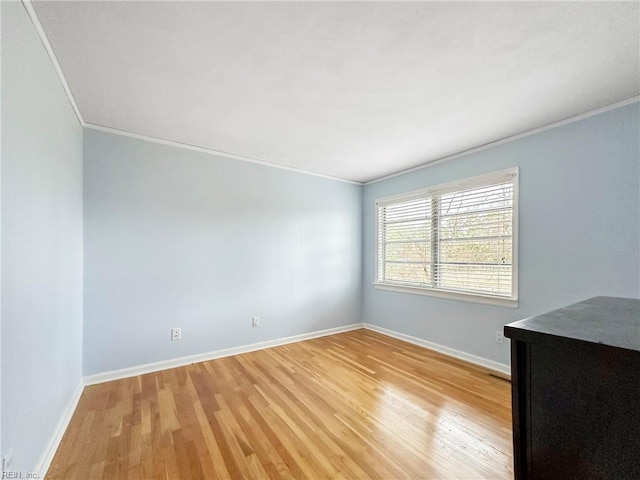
point(457, 240)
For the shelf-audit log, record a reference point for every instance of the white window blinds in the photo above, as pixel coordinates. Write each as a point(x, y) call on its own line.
point(456, 238)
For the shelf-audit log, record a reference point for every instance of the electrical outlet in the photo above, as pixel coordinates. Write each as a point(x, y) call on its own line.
point(499, 336)
point(7, 461)
point(255, 322)
point(176, 334)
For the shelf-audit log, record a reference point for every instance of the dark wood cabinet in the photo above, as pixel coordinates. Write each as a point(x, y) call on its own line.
point(575, 376)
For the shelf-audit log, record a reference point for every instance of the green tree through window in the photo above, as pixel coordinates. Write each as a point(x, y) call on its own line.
point(456, 237)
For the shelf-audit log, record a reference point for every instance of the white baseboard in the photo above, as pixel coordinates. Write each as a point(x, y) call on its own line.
point(203, 357)
point(45, 460)
point(467, 357)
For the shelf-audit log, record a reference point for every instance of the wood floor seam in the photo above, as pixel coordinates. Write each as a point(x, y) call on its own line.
point(354, 405)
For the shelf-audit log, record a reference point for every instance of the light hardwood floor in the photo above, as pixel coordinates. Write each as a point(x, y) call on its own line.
point(353, 405)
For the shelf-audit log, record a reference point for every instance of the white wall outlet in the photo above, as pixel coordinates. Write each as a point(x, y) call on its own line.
point(499, 336)
point(7, 461)
point(176, 334)
point(255, 322)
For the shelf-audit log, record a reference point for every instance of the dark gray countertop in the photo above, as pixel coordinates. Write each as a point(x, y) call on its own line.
point(609, 321)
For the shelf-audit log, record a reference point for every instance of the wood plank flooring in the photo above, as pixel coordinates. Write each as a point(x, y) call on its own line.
point(353, 405)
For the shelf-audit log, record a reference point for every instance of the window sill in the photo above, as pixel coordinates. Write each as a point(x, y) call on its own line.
point(449, 295)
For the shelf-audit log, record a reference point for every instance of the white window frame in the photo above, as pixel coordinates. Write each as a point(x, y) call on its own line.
point(477, 181)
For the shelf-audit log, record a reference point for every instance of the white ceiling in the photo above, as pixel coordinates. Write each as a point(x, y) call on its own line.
point(352, 90)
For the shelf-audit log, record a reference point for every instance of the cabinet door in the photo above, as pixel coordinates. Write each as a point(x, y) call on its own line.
point(584, 411)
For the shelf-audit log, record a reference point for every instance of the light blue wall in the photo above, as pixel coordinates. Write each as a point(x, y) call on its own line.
point(177, 238)
point(41, 243)
point(579, 230)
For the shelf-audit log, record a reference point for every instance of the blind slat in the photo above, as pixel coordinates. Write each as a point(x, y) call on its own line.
point(457, 240)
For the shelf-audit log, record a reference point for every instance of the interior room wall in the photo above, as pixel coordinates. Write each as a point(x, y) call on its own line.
point(41, 245)
point(178, 238)
point(579, 230)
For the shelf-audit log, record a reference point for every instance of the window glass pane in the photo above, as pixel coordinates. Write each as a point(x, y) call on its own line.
point(490, 251)
point(415, 252)
point(481, 224)
point(418, 209)
point(476, 278)
point(477, 199)
point(468, 233)
point(409, 273)
point(408, 231)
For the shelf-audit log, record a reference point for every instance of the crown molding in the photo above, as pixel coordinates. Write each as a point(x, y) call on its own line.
point(49, 49)
point(211, 151)
point(511, 138)
point(486, 146)
point(54, 60)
